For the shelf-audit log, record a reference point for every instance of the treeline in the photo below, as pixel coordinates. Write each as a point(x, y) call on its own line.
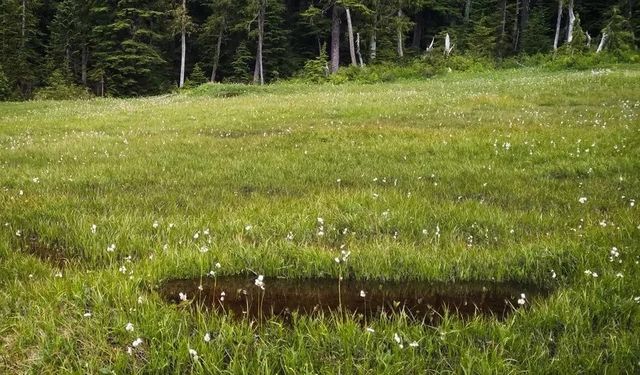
point(141, 47)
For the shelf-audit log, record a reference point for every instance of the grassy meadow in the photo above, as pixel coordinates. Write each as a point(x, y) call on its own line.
point(526, 176)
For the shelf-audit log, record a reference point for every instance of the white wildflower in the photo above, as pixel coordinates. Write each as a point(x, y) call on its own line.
point(193, 354)
point(260, 282)
point(522, 300)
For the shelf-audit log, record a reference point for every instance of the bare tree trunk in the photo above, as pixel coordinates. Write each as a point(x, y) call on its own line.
point(258, 73)
point(400, 36)
point(358, 49)
point(603, 40)
point(216, 58)
point(373, 42)
point(335, 39)
point(467, 11)
point(83, 68)
point(588, 39)
point(558, 24)
point(447, 45)
point(102, 85)
point(572, 20)
point(352, 49)
point(183, 42)
point(430, 48)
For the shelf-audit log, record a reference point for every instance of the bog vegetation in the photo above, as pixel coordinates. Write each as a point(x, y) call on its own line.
point(77, 48)
point(524, 176)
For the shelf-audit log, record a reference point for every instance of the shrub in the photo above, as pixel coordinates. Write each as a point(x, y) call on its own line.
point(316, 70)
point(5, 87)
point(59, 87)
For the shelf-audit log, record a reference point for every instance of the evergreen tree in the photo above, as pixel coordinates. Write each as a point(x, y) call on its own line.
point(5, 87)
point(69, 43)
point(537, 39)
point(241, 64)
point(619, 32)
point(482, 39)
point(20, 43)
point(129, 50)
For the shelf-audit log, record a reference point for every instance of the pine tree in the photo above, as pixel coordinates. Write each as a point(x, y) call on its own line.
point(129, 46)
point(69, 45)
point(620, 32)
point(197, 76)
point(5, 87)
point(482, 39)
point(241, 64)
point(537, 39)
point(20, 43)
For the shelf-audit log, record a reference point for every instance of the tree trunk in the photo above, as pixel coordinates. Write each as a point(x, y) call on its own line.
point(216, 57)
point(558, 24)
point(417, 31)
point(430, 48)
point(24, 21)
point(358, 49)
point(373, 43)
point(400, 36)
point(335, 39)
point(524, 20)
point(183, 42)
point(516, 29)
point(503, 31)
point(352, 49)
point(467, 11)
point(83, 68)
point(603, 40)
point(258, 73)
point(572, 20)
point(447, 45)
point(102, 85)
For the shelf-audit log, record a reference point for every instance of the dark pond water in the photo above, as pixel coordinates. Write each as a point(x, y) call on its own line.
point(419, 300)
point(52, 253)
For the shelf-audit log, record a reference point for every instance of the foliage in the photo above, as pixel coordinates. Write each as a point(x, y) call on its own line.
point(241, 65)
point(482, 40)
point(60, 87)
point(537, 38)
point(5, 87)
point(317, 70)
point(130, 47)
point(196, 78)
point(621, 37)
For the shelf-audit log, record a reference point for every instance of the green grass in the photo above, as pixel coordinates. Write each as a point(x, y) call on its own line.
point(497, 161)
